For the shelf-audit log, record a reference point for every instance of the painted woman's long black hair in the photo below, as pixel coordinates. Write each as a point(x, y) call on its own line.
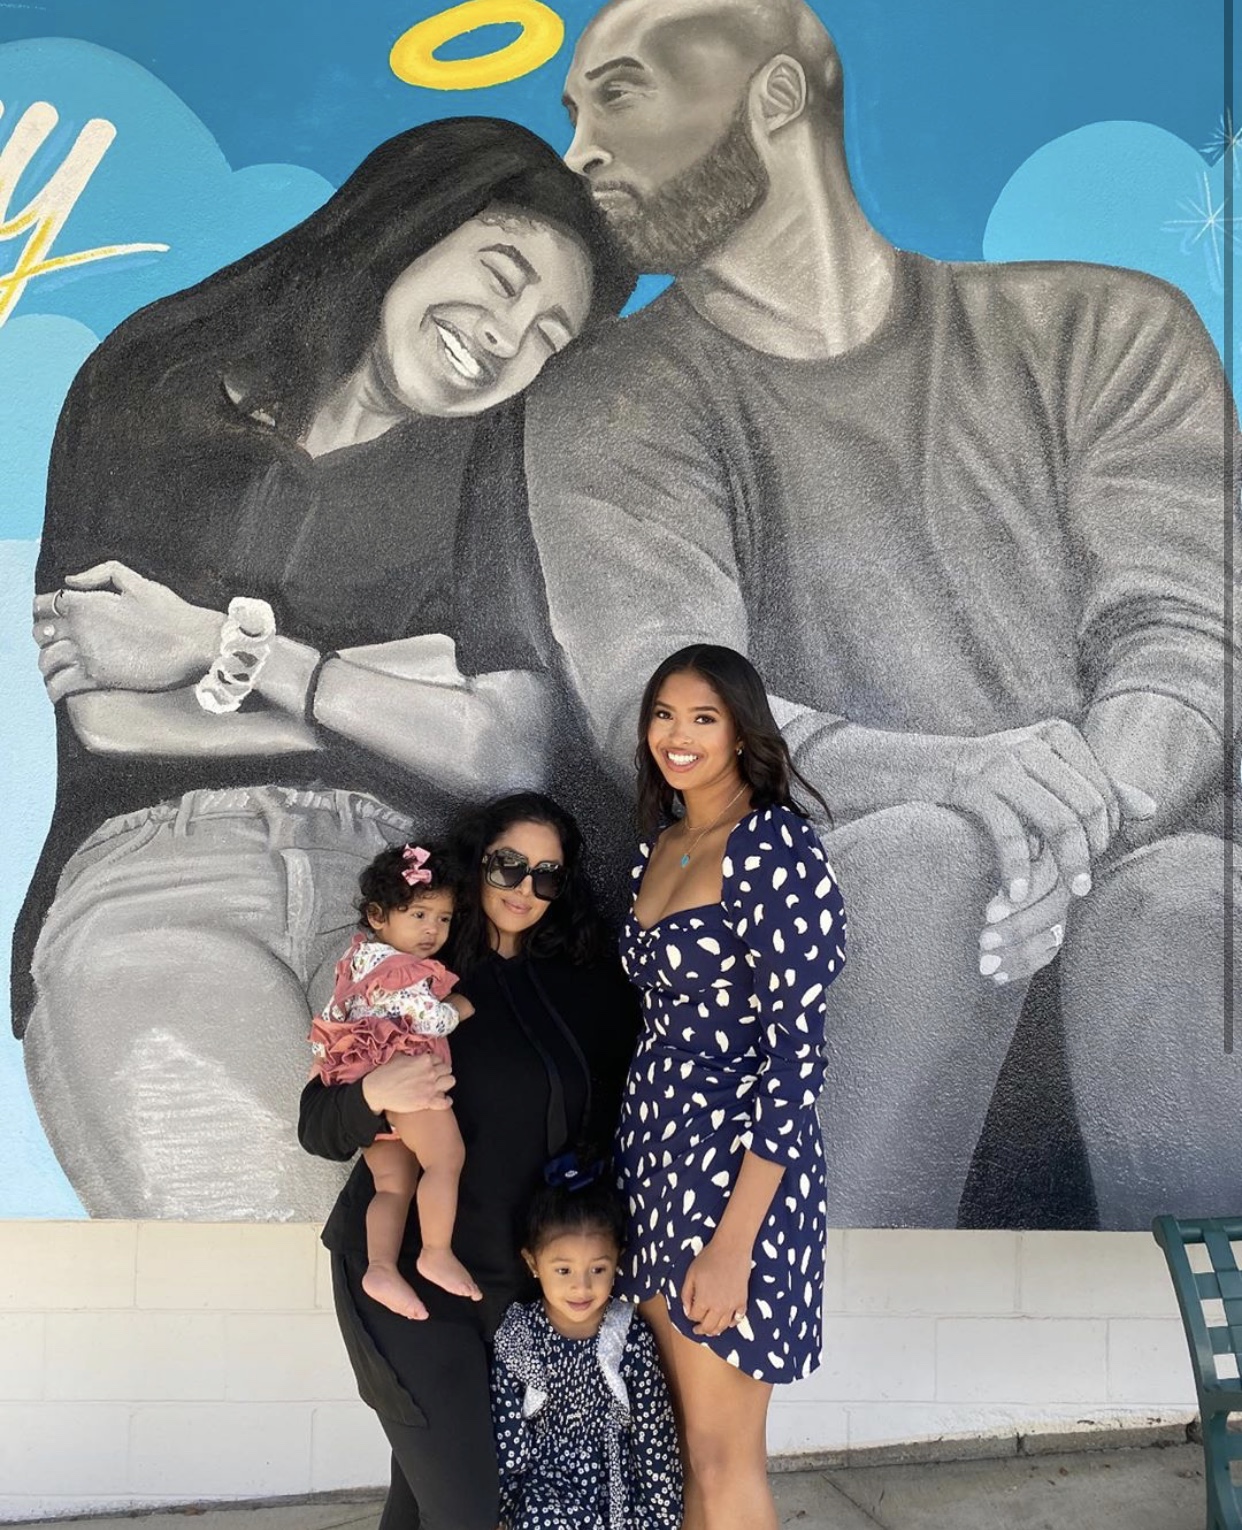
point(764, 762)
point(294, 317)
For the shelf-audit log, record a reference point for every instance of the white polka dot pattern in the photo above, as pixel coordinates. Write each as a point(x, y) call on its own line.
point(731, 1058)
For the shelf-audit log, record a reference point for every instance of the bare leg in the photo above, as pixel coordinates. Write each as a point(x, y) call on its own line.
point(1143, 995)
point(722, 1419)
point(432, 1136)
point(395, 1172)
point(916, 1037)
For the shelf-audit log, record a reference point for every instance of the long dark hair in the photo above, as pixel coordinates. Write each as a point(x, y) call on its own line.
point(293, 318)
point(571, 929)
point(764, 762)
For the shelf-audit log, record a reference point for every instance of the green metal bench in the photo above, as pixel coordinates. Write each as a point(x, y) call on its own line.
point(1219, 1396)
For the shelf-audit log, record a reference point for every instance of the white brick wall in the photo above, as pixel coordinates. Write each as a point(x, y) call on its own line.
point(154, 1363)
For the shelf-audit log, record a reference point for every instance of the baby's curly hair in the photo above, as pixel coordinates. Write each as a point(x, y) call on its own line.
point(383, 884)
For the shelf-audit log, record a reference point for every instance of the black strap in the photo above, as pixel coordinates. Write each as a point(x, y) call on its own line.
point(558, 1133)
point(572, 1042)
point(557, 1122)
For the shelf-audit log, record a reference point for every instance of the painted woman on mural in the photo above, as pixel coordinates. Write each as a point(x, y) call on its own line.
point(287, 603)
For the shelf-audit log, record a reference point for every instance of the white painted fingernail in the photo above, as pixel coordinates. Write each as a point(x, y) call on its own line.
point(998, 909)
point(989, 964)
point(49, 632)
point(989, 940)
point(1001, 978)
point(1081, 885)
point(1018, 889)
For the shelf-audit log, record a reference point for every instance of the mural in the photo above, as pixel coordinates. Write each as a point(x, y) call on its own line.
point(339, 508)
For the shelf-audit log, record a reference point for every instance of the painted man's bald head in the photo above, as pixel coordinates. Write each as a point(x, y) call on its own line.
point(753, 31)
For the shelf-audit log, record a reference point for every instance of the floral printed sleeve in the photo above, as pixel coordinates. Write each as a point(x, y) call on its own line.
point(408, 989)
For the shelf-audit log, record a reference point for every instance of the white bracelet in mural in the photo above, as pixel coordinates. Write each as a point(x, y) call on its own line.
point(245, 639)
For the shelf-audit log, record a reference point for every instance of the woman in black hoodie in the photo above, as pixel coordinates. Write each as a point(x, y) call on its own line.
point(538, 1067)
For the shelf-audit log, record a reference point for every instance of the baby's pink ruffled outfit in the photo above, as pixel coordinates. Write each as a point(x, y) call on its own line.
point(384, 1002)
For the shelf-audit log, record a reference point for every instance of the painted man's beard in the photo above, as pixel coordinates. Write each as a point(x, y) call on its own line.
point(674, 227)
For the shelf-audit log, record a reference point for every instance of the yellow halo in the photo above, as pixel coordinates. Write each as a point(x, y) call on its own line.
point(413, 54)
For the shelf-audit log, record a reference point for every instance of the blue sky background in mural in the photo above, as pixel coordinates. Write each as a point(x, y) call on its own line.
point(1064, 130)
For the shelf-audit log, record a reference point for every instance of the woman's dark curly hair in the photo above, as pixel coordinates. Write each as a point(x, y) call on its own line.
point(570, 929)
point(383, 885)
point(764, 762)
point(556, 1210)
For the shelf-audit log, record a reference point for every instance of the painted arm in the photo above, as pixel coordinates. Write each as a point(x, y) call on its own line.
point(126, 652)
point(1152, 505)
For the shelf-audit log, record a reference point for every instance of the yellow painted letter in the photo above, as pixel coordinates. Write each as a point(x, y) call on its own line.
point(44, 215)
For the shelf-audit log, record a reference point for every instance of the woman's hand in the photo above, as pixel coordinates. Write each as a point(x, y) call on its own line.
point(461, 1004)
point(112, 629)
point(714, 1292)
point(405, 1084)
point(1019, 939)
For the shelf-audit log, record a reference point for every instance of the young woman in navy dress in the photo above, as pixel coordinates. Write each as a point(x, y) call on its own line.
point(736, 931)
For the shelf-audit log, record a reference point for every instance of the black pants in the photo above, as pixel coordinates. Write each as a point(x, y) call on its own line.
point(434, 1404)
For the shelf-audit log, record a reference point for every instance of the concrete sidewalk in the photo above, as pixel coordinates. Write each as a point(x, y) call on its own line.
point(1156, 1488)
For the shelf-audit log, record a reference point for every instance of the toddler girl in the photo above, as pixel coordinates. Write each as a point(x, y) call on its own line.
point(390, 997)
point(584, 1427)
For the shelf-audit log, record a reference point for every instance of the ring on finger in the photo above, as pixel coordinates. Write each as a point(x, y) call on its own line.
point(1058, 935)
point(57, 608)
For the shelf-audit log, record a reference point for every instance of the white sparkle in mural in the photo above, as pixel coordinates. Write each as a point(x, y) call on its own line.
point(1204, 224)
point(1224, 141)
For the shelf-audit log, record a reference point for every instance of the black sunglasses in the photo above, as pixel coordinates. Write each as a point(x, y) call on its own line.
point(509, 869)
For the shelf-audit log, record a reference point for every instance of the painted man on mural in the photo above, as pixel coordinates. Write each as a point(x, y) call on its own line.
point(968, 521)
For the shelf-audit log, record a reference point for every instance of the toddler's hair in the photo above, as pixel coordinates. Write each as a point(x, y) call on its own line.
point(557, 1209)
point(385, 885)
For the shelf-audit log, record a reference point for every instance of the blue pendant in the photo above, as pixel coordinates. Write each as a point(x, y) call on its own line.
point(685, 860)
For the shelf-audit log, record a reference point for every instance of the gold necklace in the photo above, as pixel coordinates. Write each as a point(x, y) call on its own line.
point(685, 860)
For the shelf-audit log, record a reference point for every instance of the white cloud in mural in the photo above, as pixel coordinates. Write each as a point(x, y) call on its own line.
point(163, 180)
point(1121, 194)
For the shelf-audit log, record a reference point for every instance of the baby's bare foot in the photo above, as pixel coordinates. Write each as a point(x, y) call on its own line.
point(384, 1285)
point(445, 1269)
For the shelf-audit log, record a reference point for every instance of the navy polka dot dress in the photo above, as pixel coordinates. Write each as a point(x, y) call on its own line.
point(731, 1058)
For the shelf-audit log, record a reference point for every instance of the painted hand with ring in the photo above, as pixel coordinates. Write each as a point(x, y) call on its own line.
point(110, 628)
point(1020, 938)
